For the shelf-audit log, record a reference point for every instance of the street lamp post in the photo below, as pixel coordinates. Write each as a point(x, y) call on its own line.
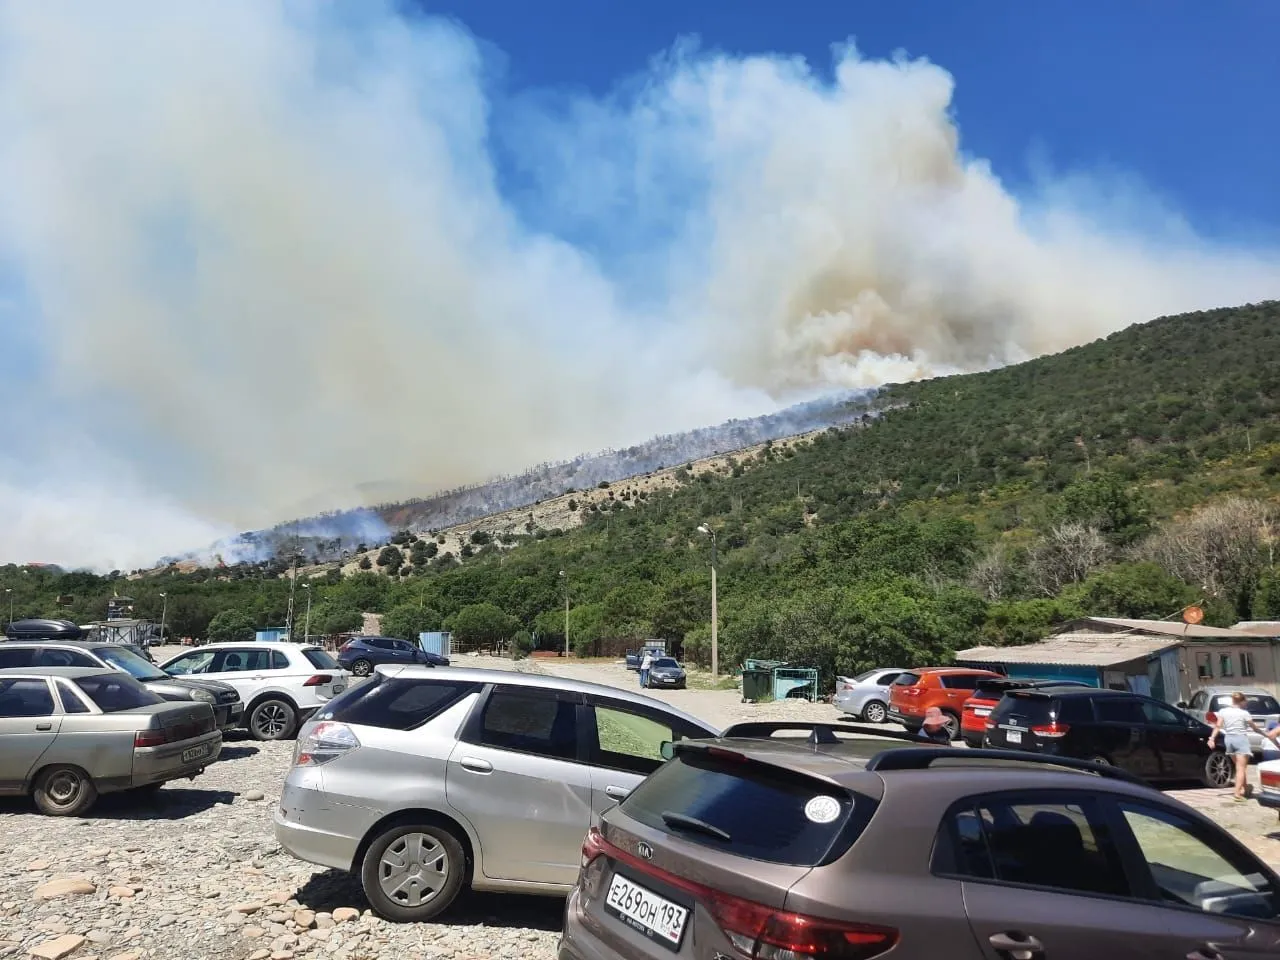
point(565, 581)
point(9, 591)
point(715, 613)
point(164, 612)
point(306, 630)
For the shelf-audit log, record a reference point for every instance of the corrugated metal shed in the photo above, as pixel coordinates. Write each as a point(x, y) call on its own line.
point(1073, 649)
point(1168, 628)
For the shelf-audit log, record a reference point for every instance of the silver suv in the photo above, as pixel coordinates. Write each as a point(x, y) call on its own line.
point(424, 780)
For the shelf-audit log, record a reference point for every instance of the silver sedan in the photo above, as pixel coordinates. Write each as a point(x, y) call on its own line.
point(68, 734)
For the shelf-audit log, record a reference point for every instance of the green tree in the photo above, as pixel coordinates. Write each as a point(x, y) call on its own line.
point(231, 626)
point(392, 559)
point(329, 620)
point(1134, 590)
point(482, 623)
point(407, 620)
point(1102, 500)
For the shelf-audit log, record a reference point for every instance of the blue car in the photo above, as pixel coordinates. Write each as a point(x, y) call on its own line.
point(361, 654)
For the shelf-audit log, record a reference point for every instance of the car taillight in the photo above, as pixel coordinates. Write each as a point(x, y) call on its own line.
point(1053, 730)
point(911, 691)
point(323, 743)
point(150, 738)
point(758, 931)
point(1270, 778)
point(346, 646)
point(318, 680)
point(1210, 717)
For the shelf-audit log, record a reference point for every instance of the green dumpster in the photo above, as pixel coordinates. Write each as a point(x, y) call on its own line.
point(757, 680)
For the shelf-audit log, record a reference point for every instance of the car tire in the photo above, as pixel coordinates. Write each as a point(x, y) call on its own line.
point(403, 861)
point(952, 723)
point(272, 719)
point(1219, 770)
point(362, 668)
point(64, 791)
point(874, 711)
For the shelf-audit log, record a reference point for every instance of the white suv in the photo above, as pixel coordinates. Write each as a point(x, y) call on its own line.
point(282, 684)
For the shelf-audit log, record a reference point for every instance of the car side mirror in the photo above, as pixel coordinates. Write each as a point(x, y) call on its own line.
point(667, 749)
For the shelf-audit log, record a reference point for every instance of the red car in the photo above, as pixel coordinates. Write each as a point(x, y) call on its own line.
point(946, 688)
point(973, 721)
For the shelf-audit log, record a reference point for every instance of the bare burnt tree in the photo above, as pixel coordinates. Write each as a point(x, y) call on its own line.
point(1067, 554)
point(1220, 548)
point(991, 573)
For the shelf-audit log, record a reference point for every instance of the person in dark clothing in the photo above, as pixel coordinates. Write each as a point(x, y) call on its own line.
point(934, 728)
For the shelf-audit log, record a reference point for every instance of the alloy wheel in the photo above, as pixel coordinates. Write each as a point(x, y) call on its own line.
point(271, 720)
point(874, 712)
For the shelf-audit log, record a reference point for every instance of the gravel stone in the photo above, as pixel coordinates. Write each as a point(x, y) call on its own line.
point(59, 948)
point(65, 887)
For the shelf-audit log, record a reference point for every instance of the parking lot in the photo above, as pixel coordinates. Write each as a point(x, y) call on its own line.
point(195, 872)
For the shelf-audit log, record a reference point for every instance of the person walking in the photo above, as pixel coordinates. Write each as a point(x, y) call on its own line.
point(646, 664)
point(1234, 723)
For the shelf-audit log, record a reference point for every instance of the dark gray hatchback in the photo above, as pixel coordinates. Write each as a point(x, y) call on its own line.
point(858, 847)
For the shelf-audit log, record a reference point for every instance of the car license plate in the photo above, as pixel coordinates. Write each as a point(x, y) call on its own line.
point(644, 910)
point(195, 753)
point(982, 711)
point(1013, 736)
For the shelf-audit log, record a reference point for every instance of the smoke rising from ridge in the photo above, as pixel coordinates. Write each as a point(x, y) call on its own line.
point(260, 253)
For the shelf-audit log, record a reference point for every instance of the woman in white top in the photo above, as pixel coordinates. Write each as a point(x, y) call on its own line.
point(1234, 723)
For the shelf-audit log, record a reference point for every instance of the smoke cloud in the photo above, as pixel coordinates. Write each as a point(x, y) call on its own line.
point(257, 254)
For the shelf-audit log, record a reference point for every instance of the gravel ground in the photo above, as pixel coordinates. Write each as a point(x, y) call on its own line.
point(195, 871)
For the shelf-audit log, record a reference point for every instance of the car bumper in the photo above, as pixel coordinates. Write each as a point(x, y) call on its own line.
point(1269, 799)
point(229, 715)
point(174, 761)
point(674, 682)
point(973, 738)
point(312, 827)
point(906, 719)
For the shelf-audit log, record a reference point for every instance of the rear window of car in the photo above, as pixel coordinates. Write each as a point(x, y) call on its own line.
point(995, 689)
point(768, 814)
point(906, 679)
point(320, 659)
point(115, 692)
point(1254, 704)
point(395, 703)
point(1031, 708)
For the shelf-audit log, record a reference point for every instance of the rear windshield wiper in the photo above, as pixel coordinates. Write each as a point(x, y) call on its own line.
point(679, 821)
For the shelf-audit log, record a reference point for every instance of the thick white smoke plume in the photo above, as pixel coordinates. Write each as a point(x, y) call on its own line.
point(261, 253)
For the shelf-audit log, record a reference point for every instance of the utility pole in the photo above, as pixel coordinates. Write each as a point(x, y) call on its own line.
point(565, 580)
point(715, 613)
point(293, 586)
point(164, 611)
point(9, 591)
point(306, 630)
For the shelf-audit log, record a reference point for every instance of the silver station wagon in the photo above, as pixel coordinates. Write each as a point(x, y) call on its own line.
point(68, 734)
point(426, 780)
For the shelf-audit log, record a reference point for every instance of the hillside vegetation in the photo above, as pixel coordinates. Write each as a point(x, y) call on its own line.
point(1131, 476)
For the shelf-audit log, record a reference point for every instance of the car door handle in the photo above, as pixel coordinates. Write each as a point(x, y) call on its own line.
point(44, 726)
point(616, 792)
point(1016, 945)
point(475, 764)
point(258, 676)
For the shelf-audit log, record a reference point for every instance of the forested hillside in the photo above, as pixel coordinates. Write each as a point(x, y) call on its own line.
point(1128, 477)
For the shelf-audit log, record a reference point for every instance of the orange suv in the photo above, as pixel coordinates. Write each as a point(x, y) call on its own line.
point(946, 688)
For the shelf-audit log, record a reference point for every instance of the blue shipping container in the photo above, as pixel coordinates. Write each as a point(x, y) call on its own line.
point(271, 634)
point(435, 642)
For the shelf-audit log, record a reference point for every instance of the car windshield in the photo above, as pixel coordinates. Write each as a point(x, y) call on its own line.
point(666, 663)
point(906, 679)
point(113, 692)
point(122, 658)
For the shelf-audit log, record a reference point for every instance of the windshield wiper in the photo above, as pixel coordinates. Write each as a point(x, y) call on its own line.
point(679, 821)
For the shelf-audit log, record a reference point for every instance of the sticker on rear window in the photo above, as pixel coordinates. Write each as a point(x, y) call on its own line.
point(822, 809)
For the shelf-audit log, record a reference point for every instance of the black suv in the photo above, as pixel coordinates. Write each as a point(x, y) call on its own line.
point(1147, 738)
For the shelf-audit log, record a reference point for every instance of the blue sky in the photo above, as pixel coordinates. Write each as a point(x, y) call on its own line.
point(1184, 94)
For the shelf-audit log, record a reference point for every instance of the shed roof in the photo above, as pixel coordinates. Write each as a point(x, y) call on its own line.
point(1259, 628)
point(1073, 649)
point(1167, 628)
